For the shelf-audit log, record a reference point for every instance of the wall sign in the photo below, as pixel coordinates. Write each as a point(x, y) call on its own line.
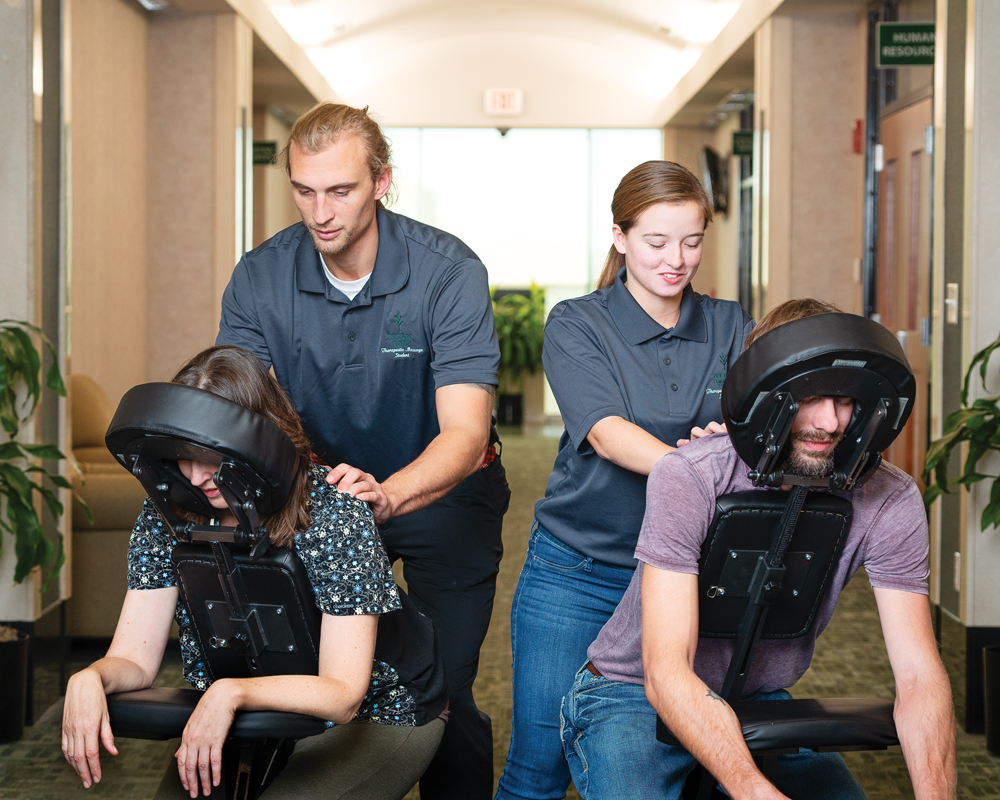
point(264, 152)
point(742, 143)
point(905, 44)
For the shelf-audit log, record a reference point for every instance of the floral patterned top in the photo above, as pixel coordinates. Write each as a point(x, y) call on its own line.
point(348, 569)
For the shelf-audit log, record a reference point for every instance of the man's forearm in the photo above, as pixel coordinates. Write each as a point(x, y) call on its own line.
point(709, 729)
point(451, 457)
point(925, 724)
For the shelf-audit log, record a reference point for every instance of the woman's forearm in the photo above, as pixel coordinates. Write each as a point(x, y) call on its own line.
point(120, 674)
point(328, 698)
point(627, 445)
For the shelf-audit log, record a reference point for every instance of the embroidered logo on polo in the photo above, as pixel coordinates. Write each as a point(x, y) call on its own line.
point(718, 378)
point(400, 342)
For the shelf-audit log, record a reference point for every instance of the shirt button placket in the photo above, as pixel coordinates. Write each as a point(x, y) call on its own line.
point(666, 370)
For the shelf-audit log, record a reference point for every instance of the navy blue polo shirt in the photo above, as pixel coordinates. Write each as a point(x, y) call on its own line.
point(362, 373)
point(604, 356)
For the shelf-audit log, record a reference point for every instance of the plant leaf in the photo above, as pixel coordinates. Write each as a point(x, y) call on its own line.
point(932, 493)
point(47, 452)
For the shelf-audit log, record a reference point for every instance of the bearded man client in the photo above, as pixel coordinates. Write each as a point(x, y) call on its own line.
point(649, 660)
point(381, 330)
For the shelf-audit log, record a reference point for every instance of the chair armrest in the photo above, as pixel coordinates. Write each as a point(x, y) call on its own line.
point(163, 713)
point(822, 724)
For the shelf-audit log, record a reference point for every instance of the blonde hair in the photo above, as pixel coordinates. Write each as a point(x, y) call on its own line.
point(325, 123)
point(648, 184)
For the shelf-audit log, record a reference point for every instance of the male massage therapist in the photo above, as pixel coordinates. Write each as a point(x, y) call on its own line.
point(381, 330)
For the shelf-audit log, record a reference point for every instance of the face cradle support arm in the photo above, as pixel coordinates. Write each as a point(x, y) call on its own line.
point(827, 355)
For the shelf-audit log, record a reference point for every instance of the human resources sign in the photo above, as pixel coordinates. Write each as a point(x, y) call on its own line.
point(905, 44)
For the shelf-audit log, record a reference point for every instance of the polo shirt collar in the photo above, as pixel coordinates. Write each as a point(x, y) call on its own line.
point(392, 263)
point(392, 268)
point(638, 327)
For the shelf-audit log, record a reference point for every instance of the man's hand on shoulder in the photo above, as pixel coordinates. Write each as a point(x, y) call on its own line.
point(364, 487)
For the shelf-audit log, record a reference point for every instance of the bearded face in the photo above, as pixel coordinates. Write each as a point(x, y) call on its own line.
point(809, 463)
point(817, 430)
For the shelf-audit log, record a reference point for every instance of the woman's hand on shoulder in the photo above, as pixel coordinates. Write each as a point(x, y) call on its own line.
point(86, 725)
point(697, 433)
point(199, 757)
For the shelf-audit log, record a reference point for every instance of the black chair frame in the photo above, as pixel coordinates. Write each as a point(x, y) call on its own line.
point(251, 605)
point(768, 556)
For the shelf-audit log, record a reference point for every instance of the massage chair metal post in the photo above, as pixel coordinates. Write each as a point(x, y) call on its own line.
point(252, 606)
point(766, 562)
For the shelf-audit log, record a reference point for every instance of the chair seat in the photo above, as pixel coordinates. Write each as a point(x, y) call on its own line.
point(821, 724)
point(163, 713)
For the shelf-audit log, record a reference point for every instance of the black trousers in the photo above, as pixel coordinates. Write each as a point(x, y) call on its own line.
point(451, 554)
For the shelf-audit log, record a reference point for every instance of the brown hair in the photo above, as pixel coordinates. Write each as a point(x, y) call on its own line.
point(325, 123)
point(789, 311)
point(239, 376)
point(646, 185)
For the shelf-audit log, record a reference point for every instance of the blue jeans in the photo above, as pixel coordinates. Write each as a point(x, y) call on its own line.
point(561, 603)
point(609, 736)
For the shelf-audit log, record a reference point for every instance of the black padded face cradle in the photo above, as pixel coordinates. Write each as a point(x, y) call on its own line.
point(826, 355)
point(157, 424)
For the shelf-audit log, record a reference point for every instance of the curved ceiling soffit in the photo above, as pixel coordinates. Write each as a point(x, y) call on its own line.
point(447, 17)
point(545, 49)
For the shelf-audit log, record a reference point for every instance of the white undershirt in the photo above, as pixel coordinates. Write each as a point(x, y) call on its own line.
point(349, 288)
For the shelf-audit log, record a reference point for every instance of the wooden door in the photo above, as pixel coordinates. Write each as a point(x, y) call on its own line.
point(903, 263)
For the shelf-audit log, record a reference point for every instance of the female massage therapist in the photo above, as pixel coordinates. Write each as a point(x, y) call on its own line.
point(636, 367)
point(395, 727)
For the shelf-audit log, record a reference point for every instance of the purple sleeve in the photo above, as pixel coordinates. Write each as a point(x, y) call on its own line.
point(680, 503)
point(897, 547)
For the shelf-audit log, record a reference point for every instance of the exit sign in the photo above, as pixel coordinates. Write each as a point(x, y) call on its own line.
point(905, 44)
point(504, 102)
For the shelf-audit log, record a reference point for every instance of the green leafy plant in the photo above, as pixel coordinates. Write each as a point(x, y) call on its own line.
point(21, 476)
point(520, 322)
point(979, 425)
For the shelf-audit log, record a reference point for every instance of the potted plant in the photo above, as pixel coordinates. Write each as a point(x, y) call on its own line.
point(22, 477)
point(520, 320)
point(978, 425)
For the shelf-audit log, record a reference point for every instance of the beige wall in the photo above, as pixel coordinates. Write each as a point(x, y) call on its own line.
point(809, 89)
point(108, 121)
point(201, 91)
point(683, 144)
point(273, 208)
point(717, 273)
point(156, 165)
point(827, 194)
point(182, 174)
point(725, 229)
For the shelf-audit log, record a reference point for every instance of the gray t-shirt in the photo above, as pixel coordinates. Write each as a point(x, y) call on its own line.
point(888, 536)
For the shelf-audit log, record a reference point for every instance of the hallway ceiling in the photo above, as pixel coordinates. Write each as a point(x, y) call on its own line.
point(579, 63)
